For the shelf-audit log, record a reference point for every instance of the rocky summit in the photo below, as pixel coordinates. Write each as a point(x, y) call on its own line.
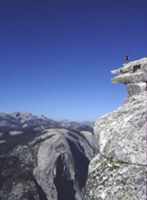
point(119, 170)
point(41, 159)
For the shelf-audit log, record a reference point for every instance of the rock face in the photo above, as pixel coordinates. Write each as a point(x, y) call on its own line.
point(41, 160)
point(119, 170)
point(134, 75)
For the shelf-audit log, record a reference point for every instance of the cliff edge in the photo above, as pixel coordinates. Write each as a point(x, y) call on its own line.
point(119, 170)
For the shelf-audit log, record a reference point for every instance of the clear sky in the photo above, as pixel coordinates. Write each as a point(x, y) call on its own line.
point(56, 55)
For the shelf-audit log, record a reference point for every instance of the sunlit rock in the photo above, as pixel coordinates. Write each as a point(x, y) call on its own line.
point(119, 170)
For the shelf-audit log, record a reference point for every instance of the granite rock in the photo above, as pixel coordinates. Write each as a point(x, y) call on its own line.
point(119, 170)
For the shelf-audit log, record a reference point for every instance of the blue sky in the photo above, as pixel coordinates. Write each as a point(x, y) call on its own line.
point(56, 56)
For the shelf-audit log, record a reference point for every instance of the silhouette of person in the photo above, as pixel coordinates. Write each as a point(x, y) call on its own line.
point(126, 59)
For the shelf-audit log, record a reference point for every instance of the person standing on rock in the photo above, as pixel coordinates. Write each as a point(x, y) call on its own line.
point(126, 59)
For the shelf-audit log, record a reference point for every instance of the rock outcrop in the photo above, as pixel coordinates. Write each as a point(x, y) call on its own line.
point(119, 170)
point(42, 160)
point(134, 75)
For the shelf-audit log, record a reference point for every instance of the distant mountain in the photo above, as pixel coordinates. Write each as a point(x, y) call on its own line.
point(23, 121)
point(41, 159)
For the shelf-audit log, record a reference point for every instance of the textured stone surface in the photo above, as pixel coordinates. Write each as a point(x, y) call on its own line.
point(113, 180)
point(119, 171)
point(134, 89)
point(132, 72)
point(121, 134)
